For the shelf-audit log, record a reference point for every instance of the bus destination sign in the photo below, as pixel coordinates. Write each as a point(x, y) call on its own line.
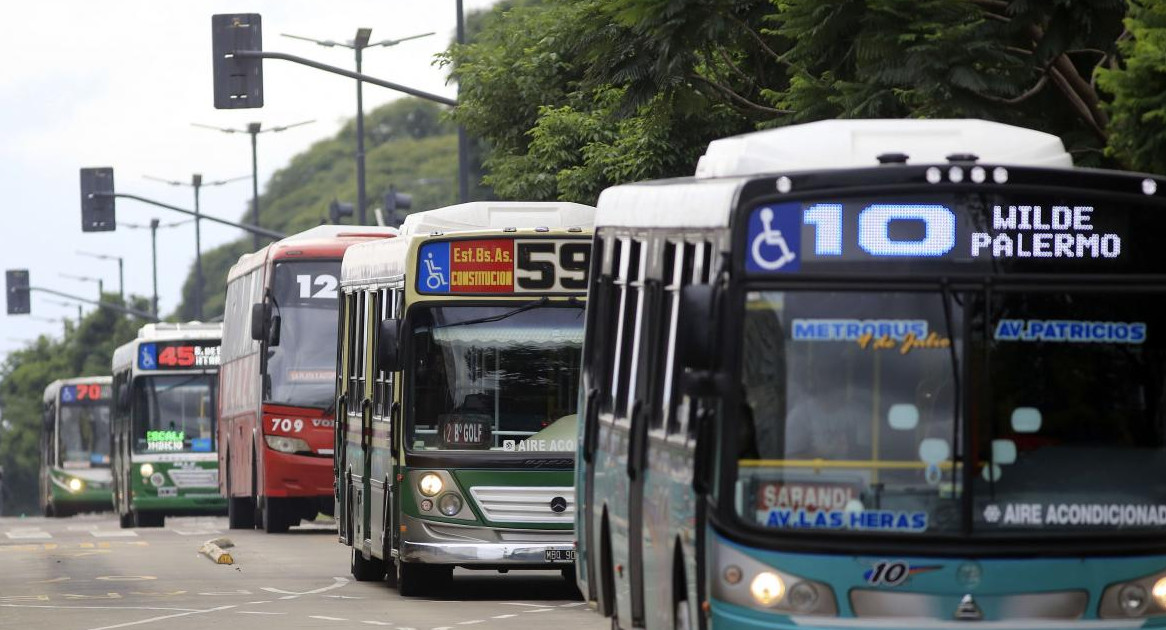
point(1031, 233)
point(503, 266)
point(178, 355)
point(81, 393)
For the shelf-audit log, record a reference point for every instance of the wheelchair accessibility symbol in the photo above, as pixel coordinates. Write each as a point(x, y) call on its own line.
point(773, 239)
point(434, 275)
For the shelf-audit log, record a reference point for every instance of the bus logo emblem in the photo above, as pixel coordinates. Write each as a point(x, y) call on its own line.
point(968, 610)
point(558, 505)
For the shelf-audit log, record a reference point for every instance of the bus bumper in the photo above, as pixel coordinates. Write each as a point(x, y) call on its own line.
point(435, 543)
point(292, 476)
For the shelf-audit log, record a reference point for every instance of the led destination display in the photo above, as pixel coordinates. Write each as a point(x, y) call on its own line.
point(954, 233)
point(504, 265)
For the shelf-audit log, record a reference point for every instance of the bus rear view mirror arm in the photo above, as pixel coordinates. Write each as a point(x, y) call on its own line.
point(388, 347)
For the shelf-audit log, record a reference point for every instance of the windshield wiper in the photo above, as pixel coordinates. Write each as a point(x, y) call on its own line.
point(945, 289)
point(501, 316)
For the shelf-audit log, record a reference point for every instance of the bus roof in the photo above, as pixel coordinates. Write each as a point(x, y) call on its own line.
point(707, 199)
point(322, 241)
point(165, 331)
point(54, 388)
point(384, 259)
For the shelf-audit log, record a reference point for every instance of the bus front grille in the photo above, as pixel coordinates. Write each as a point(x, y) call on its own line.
point(530, 504)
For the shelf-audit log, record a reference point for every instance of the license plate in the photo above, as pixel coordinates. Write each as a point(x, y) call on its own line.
point(560, 555)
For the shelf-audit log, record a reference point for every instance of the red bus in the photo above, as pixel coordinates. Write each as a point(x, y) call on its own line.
point(277, 379)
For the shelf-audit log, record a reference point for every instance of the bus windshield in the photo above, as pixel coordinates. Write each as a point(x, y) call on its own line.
point(175, 413)
point(303, 366)
point(83, 431)
point(849, 423)
point(502, 378)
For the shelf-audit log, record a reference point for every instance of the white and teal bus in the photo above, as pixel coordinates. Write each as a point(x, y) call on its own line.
point(74, 447)
point(877, 374)
point(164, 416)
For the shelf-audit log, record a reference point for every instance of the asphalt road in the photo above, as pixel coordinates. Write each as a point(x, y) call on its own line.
point(85, 573)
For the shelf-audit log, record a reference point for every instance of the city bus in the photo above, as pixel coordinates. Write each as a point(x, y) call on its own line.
point(457, 386)
point(877, 374)
point(277, 381)
point(74, 447)
point(163, 430)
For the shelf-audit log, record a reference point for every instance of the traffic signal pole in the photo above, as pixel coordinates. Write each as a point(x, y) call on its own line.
point(109, 305)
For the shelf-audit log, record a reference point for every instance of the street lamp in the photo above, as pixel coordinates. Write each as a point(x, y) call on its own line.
point(120, 270)
point(69, 305)
point(153, 227)
point(358, 45)
point(254, 129)
point(196, 183)
point(99, 281)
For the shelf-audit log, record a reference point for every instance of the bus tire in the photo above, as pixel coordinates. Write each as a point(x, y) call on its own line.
point(149, 519)
point(606, 576)
point(125, 521)
point(420, 579)
point(48, 510)
point(370, 570)
point(390, 572)
point(275, 516)
point(240, 511)
point(681, 615)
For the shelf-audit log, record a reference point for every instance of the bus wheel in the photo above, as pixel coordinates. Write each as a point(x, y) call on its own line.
point(48, 510)
point(240, 511)
point(276, 519)
point(370, 570)
point(418, 579)
point(126, 521)
point(149, 519)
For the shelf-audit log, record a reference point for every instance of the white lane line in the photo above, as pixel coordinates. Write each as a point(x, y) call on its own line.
point(523, 604)
point(377, 623)
point(323, 618)
point(470, 622)
point(28, 535)
point(257, 612)
point(570, 605)
point(162, 618)
point(539, 610)
point(188, 610)
point(289, 597)
point(266, 601)
point(339, 582)
point(196, 532)
point(503, 616)
point(114, 533)
point(81, 528)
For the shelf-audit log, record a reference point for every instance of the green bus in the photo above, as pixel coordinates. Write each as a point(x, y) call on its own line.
point(163, 433)
point(458, 376)
point(74, 447)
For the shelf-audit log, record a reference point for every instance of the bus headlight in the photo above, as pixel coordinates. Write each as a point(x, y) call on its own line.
point(767, 588)
point(450, 504)
point(430, 484)
point(146, 470)
point(287, 444)
point(1139, 597)
point(75, 485)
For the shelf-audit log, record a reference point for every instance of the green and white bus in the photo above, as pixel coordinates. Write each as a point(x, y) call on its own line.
point(164, 414)
point(457, 387)
point(74, 447)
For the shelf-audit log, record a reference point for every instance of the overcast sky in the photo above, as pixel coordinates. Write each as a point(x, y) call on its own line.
point(118, 83)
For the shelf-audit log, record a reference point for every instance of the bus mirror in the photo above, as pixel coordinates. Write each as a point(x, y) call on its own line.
point(259, 319)
point(273, 340)
point(388, 348)
point(694, 335)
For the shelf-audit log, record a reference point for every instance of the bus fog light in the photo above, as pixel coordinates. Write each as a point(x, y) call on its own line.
point(767, 588)
point(75, 485)
point(146, 470)
point(1133, 598)
point(430, 485)
point(732, 574)
point(450, 504)
point(427, 505)
point(803, 597)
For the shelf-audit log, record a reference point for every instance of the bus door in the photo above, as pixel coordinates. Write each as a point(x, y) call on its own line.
point(363, 507)
point(381, 465)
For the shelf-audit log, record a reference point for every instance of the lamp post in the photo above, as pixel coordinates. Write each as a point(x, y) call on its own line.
point(196, 183)
point(120, 270)
point(358, 45)
point(99, 281)
point(69, 305)
point(254, 129)
point(153, 227)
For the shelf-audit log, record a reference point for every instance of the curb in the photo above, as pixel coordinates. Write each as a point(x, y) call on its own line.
point(213, 549)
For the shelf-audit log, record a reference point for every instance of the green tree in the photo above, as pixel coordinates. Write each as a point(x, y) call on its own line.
point(1138, 86)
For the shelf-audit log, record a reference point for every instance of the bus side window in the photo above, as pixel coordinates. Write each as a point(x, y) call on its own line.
point(354, 350)
point(610, 325)
point(381, 390)
point(629, 283)
point(674, 260)
point(699, 273)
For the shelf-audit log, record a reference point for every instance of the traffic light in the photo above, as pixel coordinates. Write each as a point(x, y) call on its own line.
point(397, 206)
point(238, 81)
point(338, 210)
point(16, 285)
point(97, 202)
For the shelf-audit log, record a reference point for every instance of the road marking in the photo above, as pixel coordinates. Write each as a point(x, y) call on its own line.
point(377, 623)
point(503, 616)
point(343, 597)
point(539, 610)
point(52, 581)
point(339, 582)
point(27, 535)
point(196, 532)
point(162, 618)
point(126, 578)
point(257, 612)
point(185, 610)
point(114, 533)
point(470, 622)
point(266, 601)
point(571, 605)
point(523, 604)
point(323, 618)
point(81, 528)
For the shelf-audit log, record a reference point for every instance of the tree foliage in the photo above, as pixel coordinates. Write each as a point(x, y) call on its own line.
point(640, 89)
point(85, 350)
